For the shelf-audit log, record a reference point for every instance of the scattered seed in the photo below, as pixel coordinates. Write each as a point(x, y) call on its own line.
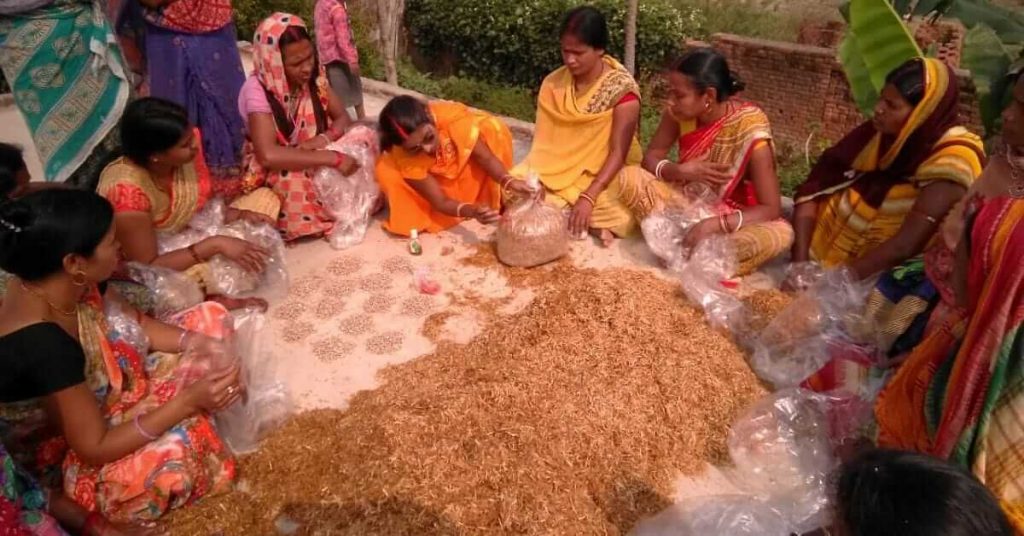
point(346, 265)
point(290, 310)
point(418, 306)
point(330, 306)
point(376, 283)
point(297, 331)
point(356, 324)
point(341, 287)
point(332, 349)
point(385, 343)
point(378, 303)
point(306, 286)
point(397, 265)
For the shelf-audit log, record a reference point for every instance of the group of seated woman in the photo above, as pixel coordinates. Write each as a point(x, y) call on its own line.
point(95, 416)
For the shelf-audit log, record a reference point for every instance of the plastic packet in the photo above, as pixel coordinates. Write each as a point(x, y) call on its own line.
point(267, 403)
point(702, 275)
point(532, 233)
point(230, 279)
point(724, 515)
point(203, 355)
point(665, 230)
point(782, 451)
point(125, 327)
point(350, 200)
point(425, 281)
point(174, 291)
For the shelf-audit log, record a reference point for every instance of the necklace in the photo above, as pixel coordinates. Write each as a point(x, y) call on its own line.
point(1016, 186)
point(39, 294)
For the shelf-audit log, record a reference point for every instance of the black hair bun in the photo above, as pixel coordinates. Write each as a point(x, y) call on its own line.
point(738, 85)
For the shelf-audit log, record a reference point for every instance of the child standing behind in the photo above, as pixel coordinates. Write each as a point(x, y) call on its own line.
point(336, 46)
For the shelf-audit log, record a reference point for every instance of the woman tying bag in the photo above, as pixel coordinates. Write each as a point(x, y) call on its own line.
point(292, 116)
point(162, 183)
point(140, 442)
point(586, 136)
point(725, 144)
point(877, 197)
point(442, 162)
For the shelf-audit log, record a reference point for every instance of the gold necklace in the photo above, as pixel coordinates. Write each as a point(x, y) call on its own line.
point(1016, 187)
point(41, 295)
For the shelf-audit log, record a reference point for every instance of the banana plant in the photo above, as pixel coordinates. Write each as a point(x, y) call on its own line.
point(876, 42)
point(990, 61)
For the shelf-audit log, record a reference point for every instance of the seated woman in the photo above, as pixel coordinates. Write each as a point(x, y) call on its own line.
point(292, 116)
point(586, 132)
point(724, 143)
point(442, 162)
point(958, 396)
point(162, 183)
point(140, 442)
point(877, 197)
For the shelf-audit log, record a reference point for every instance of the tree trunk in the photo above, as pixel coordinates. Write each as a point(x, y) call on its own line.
point(633, 7)
point(389, 24)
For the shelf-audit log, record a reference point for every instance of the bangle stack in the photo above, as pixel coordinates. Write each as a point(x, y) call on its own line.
point(585, 195)
point(660, 168)
point(723, 222)
point(142, 431)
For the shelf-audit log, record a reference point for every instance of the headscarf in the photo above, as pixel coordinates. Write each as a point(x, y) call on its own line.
point(873, 164)
point(306, 116)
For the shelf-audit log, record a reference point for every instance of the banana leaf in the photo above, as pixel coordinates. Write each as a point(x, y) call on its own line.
point(864, 93)
point(881, 37)
point(1007, 24)
point(989, 62)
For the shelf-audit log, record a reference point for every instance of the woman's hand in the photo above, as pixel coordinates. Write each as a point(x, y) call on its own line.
point(216, 391)
point(703, 229)
point(251, 257)
point(348, 165)
point(315, 143)
point(700, 170)
point(520, 187)
point(485, 214)
point(255, 218)
point(579, 218)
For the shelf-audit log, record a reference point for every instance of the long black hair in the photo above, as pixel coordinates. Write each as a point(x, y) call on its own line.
point(38, 230)
point(12, 162)
point(400, 118)
point(910, 494)
point(150, 126)
point(708, 68)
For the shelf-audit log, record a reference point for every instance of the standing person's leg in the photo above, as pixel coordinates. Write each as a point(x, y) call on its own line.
point(351, 93)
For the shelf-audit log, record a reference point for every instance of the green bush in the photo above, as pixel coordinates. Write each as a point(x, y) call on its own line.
point(516, 43)
point(250, 13)
point(501, 100)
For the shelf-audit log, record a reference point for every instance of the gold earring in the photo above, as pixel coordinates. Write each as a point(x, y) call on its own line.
point(79, 282)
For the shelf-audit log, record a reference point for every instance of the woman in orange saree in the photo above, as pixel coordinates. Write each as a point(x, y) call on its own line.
point(958, 395)
point(442, 162)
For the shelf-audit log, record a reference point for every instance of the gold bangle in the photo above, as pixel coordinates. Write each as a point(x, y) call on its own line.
point(585, 195)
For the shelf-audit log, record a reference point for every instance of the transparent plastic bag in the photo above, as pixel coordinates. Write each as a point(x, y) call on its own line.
point(665, 230)
point(532, 233)
point(267, 403)
point(801, 339)
point(350, 200)
point(725, 515)
point(425, 281)
point(174, 291)
point(230, 279)
point(125, 327)
point(782, 451)
point(702, 274)
point(203, 355)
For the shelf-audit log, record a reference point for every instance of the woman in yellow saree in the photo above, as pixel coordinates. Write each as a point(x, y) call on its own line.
point(877, 197)
point(586, 130)
point(162, 184)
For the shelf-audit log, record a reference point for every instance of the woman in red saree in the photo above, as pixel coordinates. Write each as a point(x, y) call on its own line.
point(960, 393)
point(724, 143)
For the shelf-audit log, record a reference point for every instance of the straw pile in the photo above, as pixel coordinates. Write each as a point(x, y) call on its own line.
point(765, 305)
point(572, 416)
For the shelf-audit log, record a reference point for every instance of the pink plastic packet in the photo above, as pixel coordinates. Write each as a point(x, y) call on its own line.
point(425, 283)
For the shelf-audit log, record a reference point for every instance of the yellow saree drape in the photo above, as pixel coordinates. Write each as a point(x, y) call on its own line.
point(572, 141)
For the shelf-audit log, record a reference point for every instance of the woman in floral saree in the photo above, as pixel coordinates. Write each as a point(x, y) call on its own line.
point(958, 395)
point(134, 439)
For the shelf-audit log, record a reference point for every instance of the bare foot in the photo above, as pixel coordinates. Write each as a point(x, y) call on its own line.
point(233, 304)
point(604, 236)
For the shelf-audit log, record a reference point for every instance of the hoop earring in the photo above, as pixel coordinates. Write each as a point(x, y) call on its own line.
point(79, 283)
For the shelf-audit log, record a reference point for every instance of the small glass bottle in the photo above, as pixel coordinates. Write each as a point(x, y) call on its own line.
point(414, 243)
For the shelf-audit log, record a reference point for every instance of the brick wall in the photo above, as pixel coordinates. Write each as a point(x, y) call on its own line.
point(803, 88)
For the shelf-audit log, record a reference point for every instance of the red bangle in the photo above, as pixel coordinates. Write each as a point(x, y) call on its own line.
point(93, 524)
point(339, 159)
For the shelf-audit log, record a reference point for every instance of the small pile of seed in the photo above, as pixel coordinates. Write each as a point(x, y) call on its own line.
point(329, 306)
point(332, 349)
point(765, 305)
point(378, 303)
point(397, 265)
point(297, 331)
point(356, 325)
point(290, 310)
point(346, 265)
point(305, 286)
point(418, 306)
point(341, 287)
point(376, 283)
point(385, 343)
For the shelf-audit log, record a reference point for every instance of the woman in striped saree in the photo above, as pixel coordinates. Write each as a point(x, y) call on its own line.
point(877, 197)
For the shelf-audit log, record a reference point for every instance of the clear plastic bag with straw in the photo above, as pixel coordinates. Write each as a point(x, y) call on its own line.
point(532, 233)
point(350, 200)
